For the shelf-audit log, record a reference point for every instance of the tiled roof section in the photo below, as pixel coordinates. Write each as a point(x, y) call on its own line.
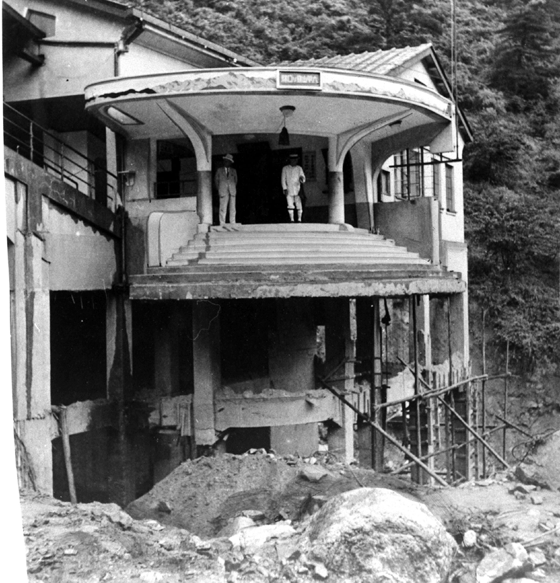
point(381, 62)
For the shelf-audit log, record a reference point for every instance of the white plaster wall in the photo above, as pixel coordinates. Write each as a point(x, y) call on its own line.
point(67, 70)
point(453, 223)
point(79, 257)
point(416, 72)
point(72, 22)
point(141, 60)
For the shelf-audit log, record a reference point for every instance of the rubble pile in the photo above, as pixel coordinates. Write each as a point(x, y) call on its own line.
point(262, 518)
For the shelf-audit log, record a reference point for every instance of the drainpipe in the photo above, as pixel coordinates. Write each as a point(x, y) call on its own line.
point(128, 36)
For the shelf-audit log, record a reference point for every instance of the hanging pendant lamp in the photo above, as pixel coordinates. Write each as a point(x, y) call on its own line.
point(284, 137)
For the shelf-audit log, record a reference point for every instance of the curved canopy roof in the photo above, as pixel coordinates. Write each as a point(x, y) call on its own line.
point(328, 102)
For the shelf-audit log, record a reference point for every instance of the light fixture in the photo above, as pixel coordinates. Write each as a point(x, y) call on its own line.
point(120, 116)
point(284, 137)
point(129, 177)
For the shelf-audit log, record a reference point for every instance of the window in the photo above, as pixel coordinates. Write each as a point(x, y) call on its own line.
point(409, 175)
point(42, 20)
point(449, 191)
point(176, 169)
point(310, 166)
point(383, 183)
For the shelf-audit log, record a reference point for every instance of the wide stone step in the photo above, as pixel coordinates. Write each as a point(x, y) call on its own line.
point(291, 249)
point(265, 259)
point(280, 241)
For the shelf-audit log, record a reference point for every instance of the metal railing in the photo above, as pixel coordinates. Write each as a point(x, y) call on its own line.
point(59, 159)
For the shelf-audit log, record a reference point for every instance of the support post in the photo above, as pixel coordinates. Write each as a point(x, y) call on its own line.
point(67, 454)
point(336, 197)
point(378, 441)
point(207, 374)
point(341, 346)
point(204, 197)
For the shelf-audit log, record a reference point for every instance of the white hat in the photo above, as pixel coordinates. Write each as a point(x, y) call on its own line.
point(229, 157)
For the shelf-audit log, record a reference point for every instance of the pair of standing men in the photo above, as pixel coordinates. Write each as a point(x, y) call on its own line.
point(226, 182)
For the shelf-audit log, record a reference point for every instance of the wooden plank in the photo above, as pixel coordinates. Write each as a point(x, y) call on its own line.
point(86, 416)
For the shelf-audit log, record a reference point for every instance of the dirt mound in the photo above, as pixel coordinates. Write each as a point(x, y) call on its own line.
point(204, 495)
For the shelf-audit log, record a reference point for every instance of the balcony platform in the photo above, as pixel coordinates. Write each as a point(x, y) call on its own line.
point(292, 260)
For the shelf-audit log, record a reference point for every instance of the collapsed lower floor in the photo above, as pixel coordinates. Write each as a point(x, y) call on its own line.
point(138, 386)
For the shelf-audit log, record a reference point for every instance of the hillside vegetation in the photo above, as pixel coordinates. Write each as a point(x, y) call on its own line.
point(507, 73)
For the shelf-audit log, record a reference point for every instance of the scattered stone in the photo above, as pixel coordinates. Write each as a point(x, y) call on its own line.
point(469, 539)
point(154, 525)
point(523, 488)
point(511, 561)
point(536, 499)
point(236, 525)
point(163, 506)
point(321, 572)
point(120, 517)
point(398, 539)
point(151, 577)
point(532, 475)
point(537, 558)
point(313, 473)
point(70, 552)
point(255, 515)
point(253, 538)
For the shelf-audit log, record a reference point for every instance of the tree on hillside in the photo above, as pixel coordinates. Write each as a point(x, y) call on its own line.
point(526, 58)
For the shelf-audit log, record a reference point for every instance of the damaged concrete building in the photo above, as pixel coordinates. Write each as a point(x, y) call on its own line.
point(143, 333)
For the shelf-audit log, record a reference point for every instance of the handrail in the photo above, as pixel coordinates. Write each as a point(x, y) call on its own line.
point(28, 139)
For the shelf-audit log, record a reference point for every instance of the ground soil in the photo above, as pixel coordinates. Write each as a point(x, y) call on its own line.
point(177, 533)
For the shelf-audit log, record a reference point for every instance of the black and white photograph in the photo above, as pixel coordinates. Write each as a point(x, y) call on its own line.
point(284, 291)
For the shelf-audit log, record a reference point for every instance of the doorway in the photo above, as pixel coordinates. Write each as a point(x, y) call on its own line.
point(260, 199)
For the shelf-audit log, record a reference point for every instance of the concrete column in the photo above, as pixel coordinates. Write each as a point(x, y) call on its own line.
point(119, 346)
point(336, 197)
point(121, 482)
point(340, 334)
point(291, 369)
point(206, 369)
point(378, 393)
point(112, 183)
point(31, 332)
point(204, 197)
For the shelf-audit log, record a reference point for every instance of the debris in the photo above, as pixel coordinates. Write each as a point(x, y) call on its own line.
point(252, 538)
point(164, 507)
point(511, 561)
point(321, 572)
point(537, 558)
point(399, 539)
point(313, 473)
point(531, 475)
point(469, 539)
point(536, 499)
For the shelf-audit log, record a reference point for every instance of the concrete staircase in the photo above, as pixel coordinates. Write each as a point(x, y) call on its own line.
point(291, 244)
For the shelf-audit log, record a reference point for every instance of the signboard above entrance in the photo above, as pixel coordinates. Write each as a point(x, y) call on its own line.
point(295, 79)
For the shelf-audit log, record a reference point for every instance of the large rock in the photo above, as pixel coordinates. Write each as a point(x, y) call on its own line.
point(377, 535)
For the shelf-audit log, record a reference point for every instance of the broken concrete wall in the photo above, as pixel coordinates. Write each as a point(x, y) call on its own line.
point(410, 224)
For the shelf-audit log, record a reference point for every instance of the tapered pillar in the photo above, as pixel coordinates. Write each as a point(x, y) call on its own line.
point(340, 343)
point(336, 197)
point(207, 372)
point(204, 197)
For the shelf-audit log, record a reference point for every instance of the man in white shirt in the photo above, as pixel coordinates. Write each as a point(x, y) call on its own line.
point(292, 179)
point(226, 183)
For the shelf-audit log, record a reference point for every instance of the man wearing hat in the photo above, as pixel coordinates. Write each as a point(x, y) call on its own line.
point(292, 179)
point(226, 183)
